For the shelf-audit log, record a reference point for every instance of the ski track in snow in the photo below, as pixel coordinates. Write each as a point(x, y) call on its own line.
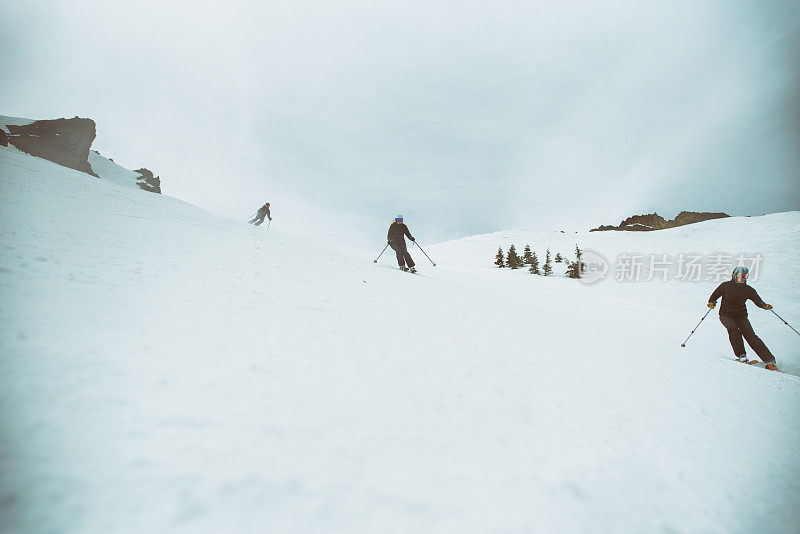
point(165, 370)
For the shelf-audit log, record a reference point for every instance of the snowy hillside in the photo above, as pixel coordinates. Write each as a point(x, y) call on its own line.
point(108, 170)
point(5, 122)
point(165, 370)
point(769, 245)
point(103, 167)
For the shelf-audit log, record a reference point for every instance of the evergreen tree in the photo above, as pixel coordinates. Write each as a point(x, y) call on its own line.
point(547, 268)
point(576, 267)
point(526, 255)
point(573, 270)
point(559, 257)
point(534, 265)
point(512, 258)
point(499, 260)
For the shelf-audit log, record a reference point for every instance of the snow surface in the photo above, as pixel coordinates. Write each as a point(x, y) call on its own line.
point(775, 237)
point(13, 121)
point(108, 170)
point(166, 370)
point(103, 167)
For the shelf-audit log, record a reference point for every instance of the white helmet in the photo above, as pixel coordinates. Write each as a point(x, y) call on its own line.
point(398, 218)
point(740, 270)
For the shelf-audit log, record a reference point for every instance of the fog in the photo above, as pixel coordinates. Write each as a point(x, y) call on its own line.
point(465, 117)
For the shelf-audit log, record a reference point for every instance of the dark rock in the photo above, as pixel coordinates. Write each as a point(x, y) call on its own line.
point(654, 221)
point(62, 141)
point(147, 181)
point(636, 227)
point(689, 217)
point(3, 138)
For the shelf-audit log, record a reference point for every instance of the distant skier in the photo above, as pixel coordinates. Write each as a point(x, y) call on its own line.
point(263, 212)
point(397, 231)
point(733, 316)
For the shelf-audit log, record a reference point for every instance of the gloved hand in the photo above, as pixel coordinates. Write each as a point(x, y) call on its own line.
point(712, 305)
point(411, 238)
point(767, 306)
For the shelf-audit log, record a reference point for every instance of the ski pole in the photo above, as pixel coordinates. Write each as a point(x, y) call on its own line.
point(269, 223)
point(248, 219)
point(426, 254)
point(695, 328)
point(381, 254)
point(784, 322)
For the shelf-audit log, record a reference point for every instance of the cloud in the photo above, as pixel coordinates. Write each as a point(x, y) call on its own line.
point(465, 117)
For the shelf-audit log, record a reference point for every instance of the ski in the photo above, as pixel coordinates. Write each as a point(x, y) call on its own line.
point(764, 365)
point(758, 363)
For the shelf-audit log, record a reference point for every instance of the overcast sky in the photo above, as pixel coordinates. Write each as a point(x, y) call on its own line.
point(466, 117)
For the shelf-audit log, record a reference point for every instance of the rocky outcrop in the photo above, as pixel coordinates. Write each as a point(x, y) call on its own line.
point(649, 221)
point(654, 221)
point(147, 181)
point(3, 138)
point(62, 141)
point(689, 217)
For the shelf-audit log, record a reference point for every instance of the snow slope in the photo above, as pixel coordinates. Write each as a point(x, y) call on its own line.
point(5, 122)
point(775, 238)
point(103, 167)
point(108, 170)
point(165, 370)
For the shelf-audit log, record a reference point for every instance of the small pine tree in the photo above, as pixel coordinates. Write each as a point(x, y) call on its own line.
point(500, 260)
point(534, 265)
point(559, 257)
point(573, 270)
point(576, 267)
point(512, 258)
point(526, 255)
point(547, 268)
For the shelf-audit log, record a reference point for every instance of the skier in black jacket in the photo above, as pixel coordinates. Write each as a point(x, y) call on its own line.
point(263, 211)
point(395, 236)
point(733, 316)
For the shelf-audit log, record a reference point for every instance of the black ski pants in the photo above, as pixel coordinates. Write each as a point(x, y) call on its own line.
point(403, 257)
point(739, 327)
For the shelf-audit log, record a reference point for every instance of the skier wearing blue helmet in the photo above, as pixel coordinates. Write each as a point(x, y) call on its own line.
point(733, 316)
point(397, 240)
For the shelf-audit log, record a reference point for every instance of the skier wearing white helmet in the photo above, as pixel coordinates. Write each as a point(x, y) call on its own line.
point(397, 240)
point(733, 316)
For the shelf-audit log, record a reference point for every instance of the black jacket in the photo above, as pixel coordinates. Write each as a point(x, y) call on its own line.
point(396, 232)
point(734, 296)
point(264, 210)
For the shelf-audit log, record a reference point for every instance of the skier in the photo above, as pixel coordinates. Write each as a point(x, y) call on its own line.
point(397, 231)
point(263, 211)
point(733, 316)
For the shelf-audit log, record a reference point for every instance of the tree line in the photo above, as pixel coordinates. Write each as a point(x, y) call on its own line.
point(512, 260)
